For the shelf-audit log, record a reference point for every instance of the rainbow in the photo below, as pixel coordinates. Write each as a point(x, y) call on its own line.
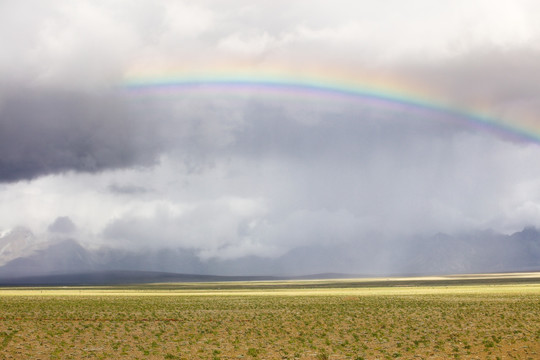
point(327, 87)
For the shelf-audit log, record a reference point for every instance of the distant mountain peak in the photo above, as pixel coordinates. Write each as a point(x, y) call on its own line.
point(16, 243)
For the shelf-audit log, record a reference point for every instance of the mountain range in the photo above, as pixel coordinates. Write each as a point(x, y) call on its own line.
point(23, 255)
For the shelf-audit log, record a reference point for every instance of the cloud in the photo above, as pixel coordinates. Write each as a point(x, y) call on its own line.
point(227, 220)
point(500, 79)
point(82, 45)
point(53, 131)
point(256, 177)
point(127, 189)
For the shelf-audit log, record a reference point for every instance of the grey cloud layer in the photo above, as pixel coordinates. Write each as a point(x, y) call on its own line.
point(282, 184)
point(52, 123)
point(47, 132)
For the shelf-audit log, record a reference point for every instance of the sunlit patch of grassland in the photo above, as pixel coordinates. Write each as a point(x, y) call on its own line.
point(364, 291)
point(477, 283)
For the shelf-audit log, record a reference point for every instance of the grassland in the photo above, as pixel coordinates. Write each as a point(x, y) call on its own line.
point(273, 320)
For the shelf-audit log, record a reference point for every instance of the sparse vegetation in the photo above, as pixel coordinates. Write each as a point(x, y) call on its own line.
point(385, 323)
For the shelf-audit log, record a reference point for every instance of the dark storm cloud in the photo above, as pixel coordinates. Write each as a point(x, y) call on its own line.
point(52, 131)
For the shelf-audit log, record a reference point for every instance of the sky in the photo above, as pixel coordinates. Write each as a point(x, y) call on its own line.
point(232, 171)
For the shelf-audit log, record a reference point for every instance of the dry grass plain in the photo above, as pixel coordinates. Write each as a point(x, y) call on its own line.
point(270, 321)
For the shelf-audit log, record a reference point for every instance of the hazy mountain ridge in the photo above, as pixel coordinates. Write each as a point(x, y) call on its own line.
point(63, 256)
point(438, 254)
point(17, 243)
